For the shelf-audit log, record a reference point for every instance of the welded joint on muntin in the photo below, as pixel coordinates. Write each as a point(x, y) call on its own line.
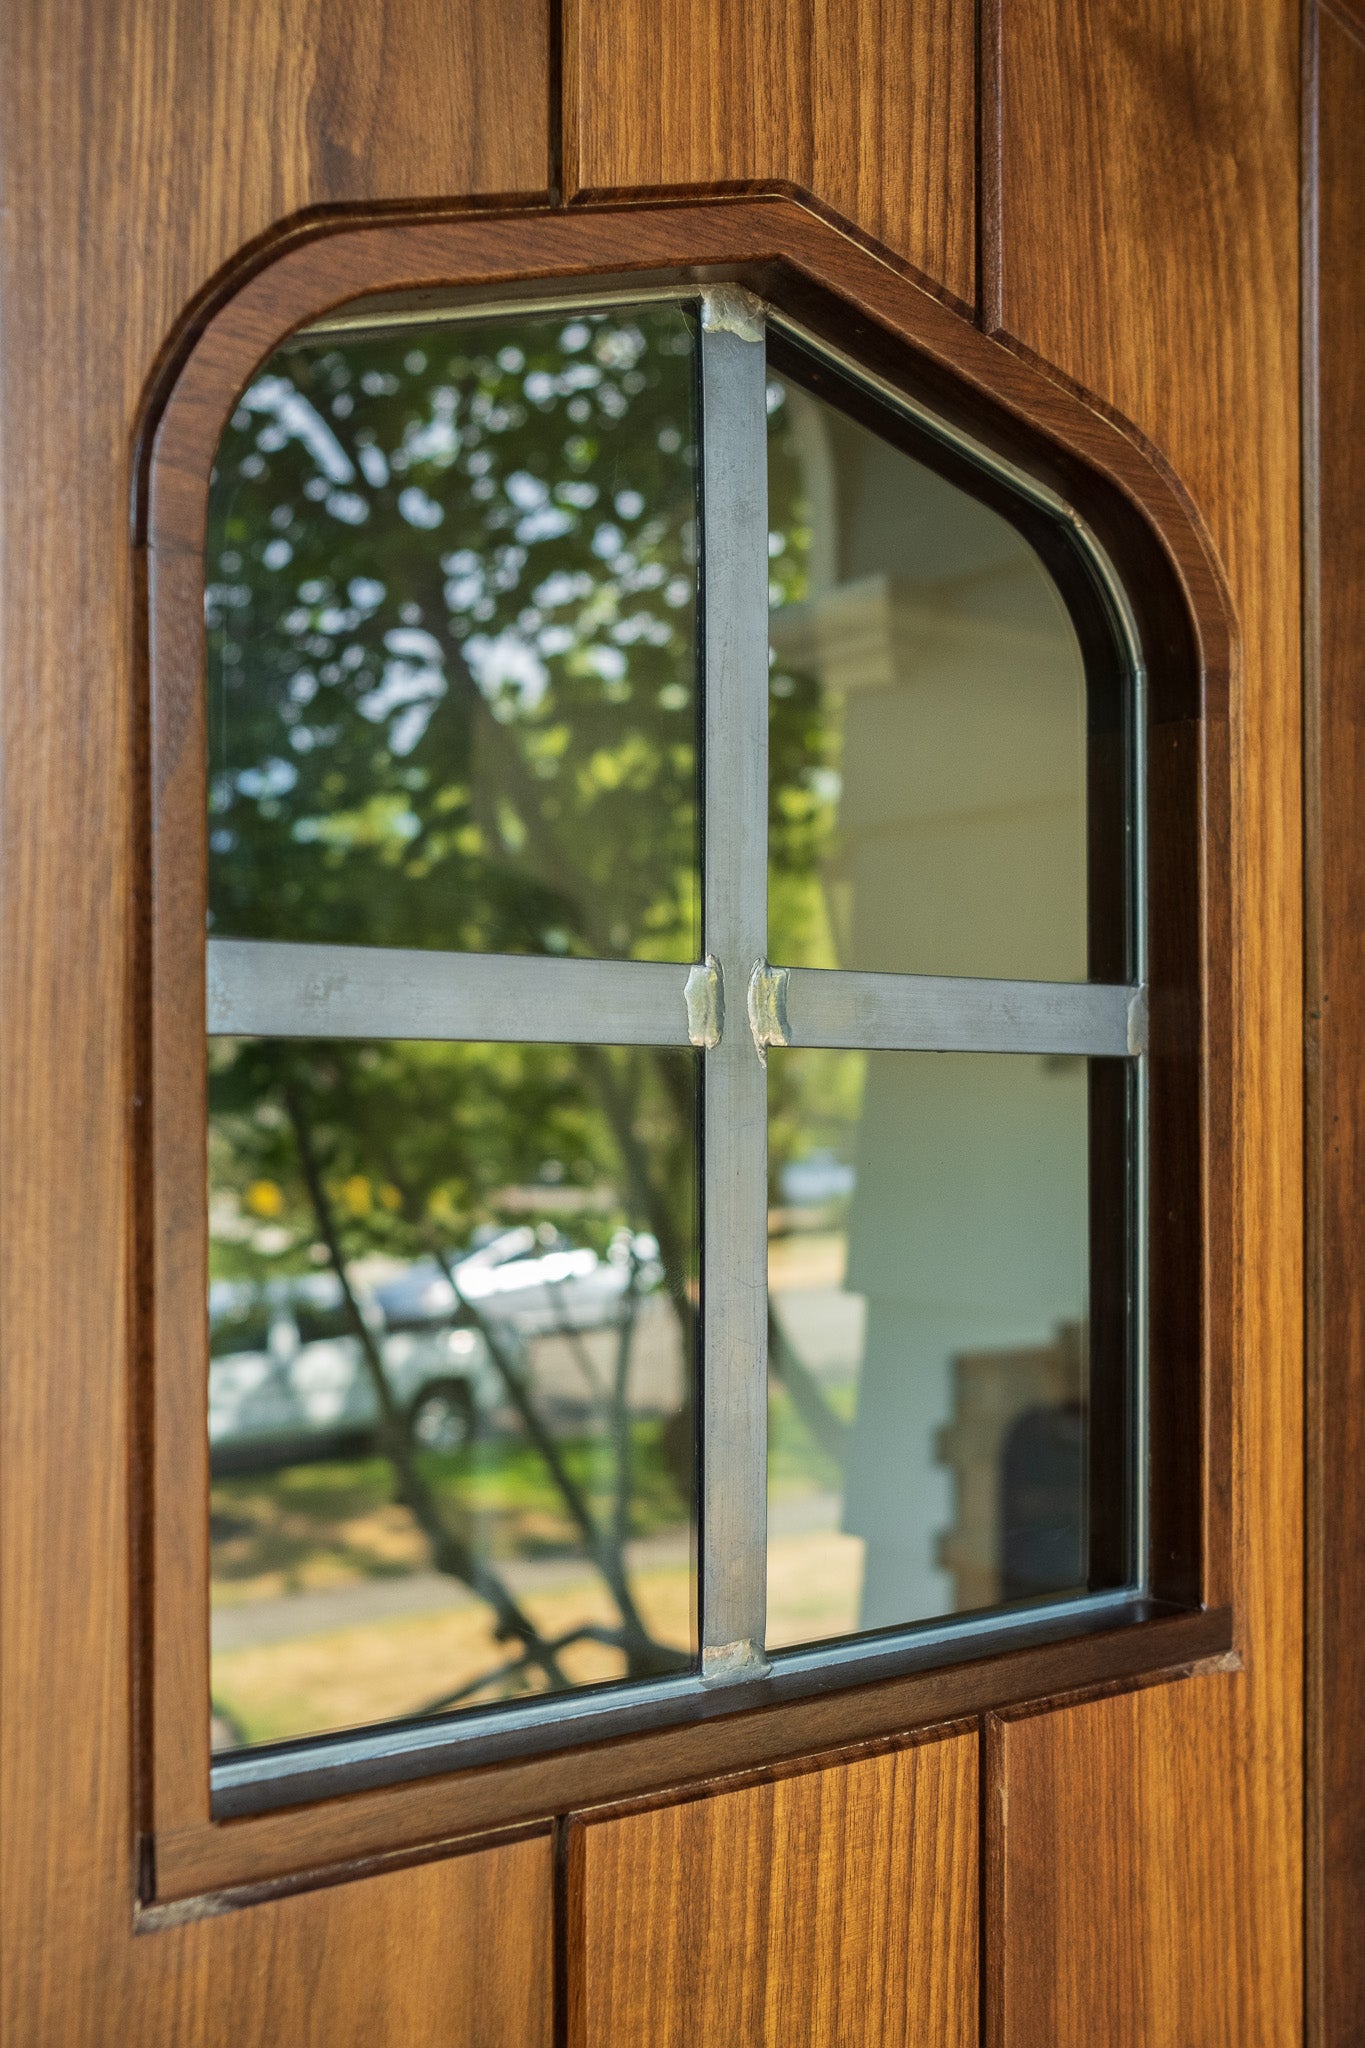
point(768, 1007)
point(704, 995)
point(729, 309)
point(728, 1663)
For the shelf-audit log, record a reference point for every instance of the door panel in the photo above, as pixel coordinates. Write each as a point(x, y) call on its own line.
point(1139, 212)
point(1114, 1889)
point(787, 93)
point(466, 1964)
point(1135, 257)
point(835, 1906)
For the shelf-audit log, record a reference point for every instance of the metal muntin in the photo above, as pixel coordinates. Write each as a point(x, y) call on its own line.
point(734, 1239)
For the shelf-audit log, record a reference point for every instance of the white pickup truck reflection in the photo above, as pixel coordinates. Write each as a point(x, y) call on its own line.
point(289, 1378)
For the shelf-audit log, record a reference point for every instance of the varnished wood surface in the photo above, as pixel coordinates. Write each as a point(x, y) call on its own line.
point(831, 1907)
point(1335, 794)
point(1149, 248)
point(453, 1954)
point(200, 1858)
point(867, 105)
point(247, 112)
point(1120, 1906)
point(1350, 14)
point(142, 146)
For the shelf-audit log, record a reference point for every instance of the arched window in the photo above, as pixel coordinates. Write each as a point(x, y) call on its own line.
point(567, 668)
point(674, 853)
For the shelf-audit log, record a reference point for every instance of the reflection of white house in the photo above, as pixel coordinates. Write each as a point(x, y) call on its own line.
point(961, 851)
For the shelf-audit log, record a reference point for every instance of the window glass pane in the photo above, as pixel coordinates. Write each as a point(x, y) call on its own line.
point(452, 1309)
point(929, 753)
point(451, 611)
point(934, 1415)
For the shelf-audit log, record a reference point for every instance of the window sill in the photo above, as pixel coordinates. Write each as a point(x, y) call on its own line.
point(289, 1815)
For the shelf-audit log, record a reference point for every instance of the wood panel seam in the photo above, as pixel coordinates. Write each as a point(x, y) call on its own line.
point(989, 165)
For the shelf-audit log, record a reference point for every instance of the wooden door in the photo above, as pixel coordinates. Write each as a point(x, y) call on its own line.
point(1088, 209)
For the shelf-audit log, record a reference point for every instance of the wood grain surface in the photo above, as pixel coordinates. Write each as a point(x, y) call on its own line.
point(869, 106)
point(830, 1907)
point(1120, 1905)
point(453, 1954)
point(1149, 249)
point(143, 146)
point(1335, 797)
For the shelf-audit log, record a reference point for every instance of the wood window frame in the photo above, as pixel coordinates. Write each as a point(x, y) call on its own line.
point(870, 311)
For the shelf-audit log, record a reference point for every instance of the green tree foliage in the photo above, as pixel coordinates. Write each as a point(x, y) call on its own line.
point(452, 613)
point(452, 623)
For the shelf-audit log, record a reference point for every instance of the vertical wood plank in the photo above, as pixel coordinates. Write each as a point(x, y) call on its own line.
point(1335, 801)
point(446, 1955)
point(1149, 250)
point(837, 1906)
point(867, 106)
point(143, 145)
point(1120, 1903)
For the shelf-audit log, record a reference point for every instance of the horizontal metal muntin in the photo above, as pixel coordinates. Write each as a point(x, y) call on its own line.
point(288, 1774)
point(261, 988)
point(945, 1013)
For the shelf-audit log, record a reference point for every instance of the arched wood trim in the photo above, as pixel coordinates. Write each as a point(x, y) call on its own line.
point(841, 290)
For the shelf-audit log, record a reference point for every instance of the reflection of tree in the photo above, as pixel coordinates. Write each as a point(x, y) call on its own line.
point(452, 658)
point(452, 1550)
point(452, 643)
point(401, 1149)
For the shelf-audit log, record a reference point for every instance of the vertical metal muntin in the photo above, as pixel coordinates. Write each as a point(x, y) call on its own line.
point(734, 1366)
